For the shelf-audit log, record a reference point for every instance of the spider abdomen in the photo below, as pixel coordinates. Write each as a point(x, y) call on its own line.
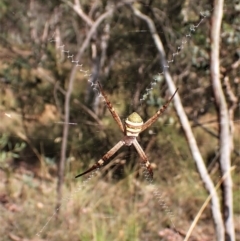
point(133, 124)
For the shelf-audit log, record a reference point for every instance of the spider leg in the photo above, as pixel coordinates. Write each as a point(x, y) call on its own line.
point(160, 111)
point(102, 161)
point(111, 109)
point(143, 156)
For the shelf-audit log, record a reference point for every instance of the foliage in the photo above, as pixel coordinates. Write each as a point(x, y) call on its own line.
point(34, 76)
point(9, 150)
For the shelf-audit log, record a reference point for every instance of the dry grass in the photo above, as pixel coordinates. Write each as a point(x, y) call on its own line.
point(100, 210)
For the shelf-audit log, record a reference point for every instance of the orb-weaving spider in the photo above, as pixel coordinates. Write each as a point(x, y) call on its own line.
point(133, 127)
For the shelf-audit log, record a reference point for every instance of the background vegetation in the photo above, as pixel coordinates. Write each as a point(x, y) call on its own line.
point(39, 42)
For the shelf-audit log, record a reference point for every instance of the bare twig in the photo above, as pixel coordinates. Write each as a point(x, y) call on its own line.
point(56, 87)
point(233, 106)
point(77, 8)
point(34, 149)
point(90, 112)
point(206, 203)
point(196, 123)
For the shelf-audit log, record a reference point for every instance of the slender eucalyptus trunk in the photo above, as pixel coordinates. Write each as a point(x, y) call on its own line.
point(224, 122)
point(215, 205)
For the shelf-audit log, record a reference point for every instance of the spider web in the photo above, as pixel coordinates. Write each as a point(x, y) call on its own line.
point(74, 124)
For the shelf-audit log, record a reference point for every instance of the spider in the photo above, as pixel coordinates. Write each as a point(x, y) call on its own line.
point(133, 127)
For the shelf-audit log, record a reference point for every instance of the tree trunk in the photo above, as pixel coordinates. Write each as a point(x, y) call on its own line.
point(224, 123)
point(217, 217)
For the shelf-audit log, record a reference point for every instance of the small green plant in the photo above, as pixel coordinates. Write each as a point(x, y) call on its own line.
point(8, 150)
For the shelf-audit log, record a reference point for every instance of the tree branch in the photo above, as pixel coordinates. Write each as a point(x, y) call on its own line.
point(83, 47)
point(187, 129)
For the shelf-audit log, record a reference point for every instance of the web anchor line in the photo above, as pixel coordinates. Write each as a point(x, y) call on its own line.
point(66, 200)
point(158, 195)
point(76, 62)
point(184, 41)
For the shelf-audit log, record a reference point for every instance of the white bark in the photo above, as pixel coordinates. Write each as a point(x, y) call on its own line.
point(224, 122)
point(215, 206)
